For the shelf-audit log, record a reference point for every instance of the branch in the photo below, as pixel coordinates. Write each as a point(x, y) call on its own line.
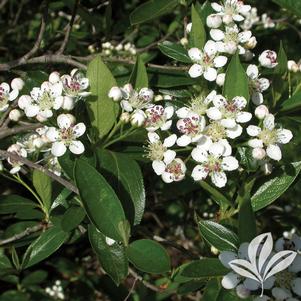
point(23, 234)
point(15, 157)
point(69, 28)
point(17, 130)
point(146, 283)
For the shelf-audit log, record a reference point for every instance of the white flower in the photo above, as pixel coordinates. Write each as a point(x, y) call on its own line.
point(231, 40)
point(229, 113)
point(268, 137)
point(32, 142)
point(257, 85)
point(43, 101)
point(268, 59)
point(214, 21)
point(213, 164)
point(115, 93)
point(20, 151)
point(206, 62)
point(75, 84)
point(159, 117)
point(17, 84)
point(191, 128)
point(65, 136)
point(251, 18)
point(7, 95)
point(138, 118)
point(267, 21)
point(231, 11)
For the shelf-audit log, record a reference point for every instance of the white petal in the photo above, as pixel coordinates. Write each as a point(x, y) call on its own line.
point(243, 117)
point(167, 177)
point(274, 152)
point(220, 61)
point(63, 121)
point(153, 137)
point(284, 136)
point(219, 101)
point(158, 167)
point(58, 149)
point(269, 122)
point(182, 112)
point(226, 256)
point(251, 284)
point(169, 156)
point(79, 129)
point(52, 134)
point(13, 95)
point(255, 143)
point(253, 130)
point(217, 34)
point(166, 126)
point(169, 111)
point(218, 8)
point(199, 173)
point(228, 123)
point(296, 286)
point(214, 113)
point(205, 142)
point(195, 54)
point(227, 147)
point(184, 140)
point(244, 36)
point(234, 132)
point(230, 163)
point(58, 102)
point(240, 102)
point(257, 98)
point(170, 141)
point(216, 149)
point(210, 48)
point(31, 110)
point(5, 87)
point(219, 179)
point(210, 74)
point(264, 84)
point(252, 71)
point(238, 18)
point(76, 147)
point(230, 281)
point(24, 101)
point(195, 70)
point(199, 154)
point(281, 294)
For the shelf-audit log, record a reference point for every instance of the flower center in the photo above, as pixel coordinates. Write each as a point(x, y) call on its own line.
point(268, 136)
point(284, 279)
point(155, 116)
point(175, 169)
point(213, 164)
point(72, 87)
point(216, 131)
point(3, 97)
point(190, 126)
point(45, 101)
point(198, 106)
point(156, 151)
point(67, 135)
point(138, 102)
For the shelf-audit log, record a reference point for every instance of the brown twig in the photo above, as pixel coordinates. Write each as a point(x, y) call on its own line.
point(154, 44)
point(15, 157)
point(145, 283)
point(69, 28)
point(131, 289)
point(6, 132)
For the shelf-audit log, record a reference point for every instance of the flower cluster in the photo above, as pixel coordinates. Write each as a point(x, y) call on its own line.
point(283, 284)
point(56, 291)
point(51, 102)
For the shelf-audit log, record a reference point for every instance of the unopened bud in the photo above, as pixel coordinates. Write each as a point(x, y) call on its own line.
point(214, 21)
point(258, 153)
point(17, 83)
point(125, 117)
point(261, 111)
point(115, 93)
point(220, 79)
point(15, 115)
point(138, 118)
point(292, 66)
point(184, 41)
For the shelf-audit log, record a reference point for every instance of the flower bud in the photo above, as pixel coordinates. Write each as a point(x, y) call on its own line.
point(242, 292)
point(292, 66)
point(128, 88)
point(15, 115)
point(261, 111)
point(54, 77)
point(188, 27)
point(258, 153)
point(214, 21)
point(107, 52)
point(138, 118)
point(268, 59)
point(125, 117)
point(24, 101)
point(214, 250)
point(220, 79)
point(115, 93)
point(251, 43)
point(17, 83)
point(68, 103)
point(184, 41)
point(119, 47)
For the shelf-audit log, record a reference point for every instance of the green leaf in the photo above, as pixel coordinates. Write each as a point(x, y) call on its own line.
point(291, 104)
point(292, 5)
point(14, 203)
point(138, 76)
point(204, 10)
point(46, 244)
point(275, 185)
point(281, 68)
point(112, 258)
point(4, 262)
point(126, 177)
point(35, 277)
point(236, 81)
point(152, 9)
point(198, 33)
point(100, 201)
point(175, 51)
point(72, 218)
point(11, 295)
point(218, 236)
point(43, 185)
point(212, 290)
point(102, 110)
point(203, 268)
point(148, 256)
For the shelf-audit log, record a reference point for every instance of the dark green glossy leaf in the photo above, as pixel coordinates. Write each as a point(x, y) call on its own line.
point(275, 185)
point(152, 9)
point(198, 33)
point(45, 245)
point(292, 5)
point(100, 201)
point(175, 51)
point(35, 277)
point(126, 177)
point(13, 203)
point(212, 290)
point(103, 111)
point(112, 257)
point(203, 268)
point(291, 104)
point(138, 76)
point(72, 218)
point(148, 256)
point(281, 68)
point(218, 236)
point(236, 81)
point(42, 184)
